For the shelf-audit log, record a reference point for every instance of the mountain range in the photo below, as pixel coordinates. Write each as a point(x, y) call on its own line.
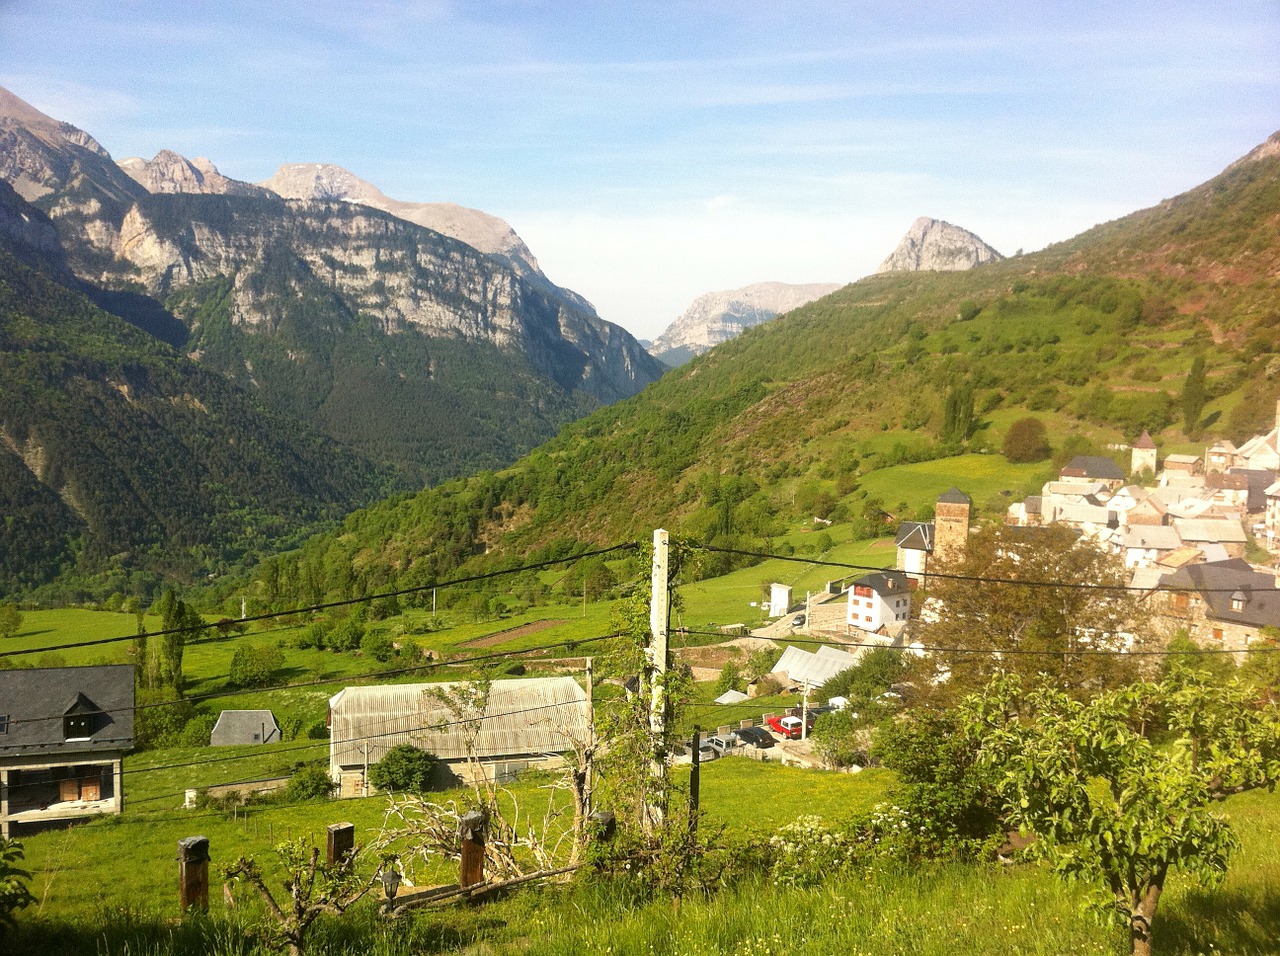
point(420, 354)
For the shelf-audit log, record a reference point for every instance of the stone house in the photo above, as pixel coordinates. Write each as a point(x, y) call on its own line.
point(1222, 604)
point(64, 732)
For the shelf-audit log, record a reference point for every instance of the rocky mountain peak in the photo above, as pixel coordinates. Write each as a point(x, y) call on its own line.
point(934, 245)
point(717, 317)
point(478, 229)
point(39, 154)
point(1265, 150)
point(170, 172)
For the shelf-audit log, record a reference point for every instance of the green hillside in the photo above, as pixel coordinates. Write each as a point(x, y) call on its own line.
point(795, 418)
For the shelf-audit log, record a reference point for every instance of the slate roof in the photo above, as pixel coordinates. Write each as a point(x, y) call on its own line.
point(525, 716)
point(1094, 466)
point(244, 727)
point(1194, 530)
point(915, 536)
point(36, 700)
point(1260, 481)
point(955, 497)
point(885, 582)
point(1145, 441)
point(1219, 581)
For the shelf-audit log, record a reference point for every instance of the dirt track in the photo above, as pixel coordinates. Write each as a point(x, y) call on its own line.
point(510, 634)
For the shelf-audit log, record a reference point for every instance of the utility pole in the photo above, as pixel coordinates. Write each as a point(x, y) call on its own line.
point(589, 758)
point(659, 659)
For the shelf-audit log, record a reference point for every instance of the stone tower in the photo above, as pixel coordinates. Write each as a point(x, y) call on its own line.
point(951, 526)
point(1143, 455)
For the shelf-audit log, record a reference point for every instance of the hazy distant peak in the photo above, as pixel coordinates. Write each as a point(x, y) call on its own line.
point(931, 244)
point(478, 229)
point(716, 317)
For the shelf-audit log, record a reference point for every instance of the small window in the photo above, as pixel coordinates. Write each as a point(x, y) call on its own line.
point(4, 723)
point(1217, 633)
point(76, 727)
point(1237, 604)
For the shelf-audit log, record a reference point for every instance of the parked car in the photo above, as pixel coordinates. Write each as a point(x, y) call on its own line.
point(706, 753)
point(798, 620)
point(722, 745)
point(788, 726)
point(757, 737)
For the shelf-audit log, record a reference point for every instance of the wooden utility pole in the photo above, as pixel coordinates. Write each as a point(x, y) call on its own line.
point(695, 776)
point(193, 873)
point(659, 660)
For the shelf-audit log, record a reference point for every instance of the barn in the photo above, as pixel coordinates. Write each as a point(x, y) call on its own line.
point(492, 731)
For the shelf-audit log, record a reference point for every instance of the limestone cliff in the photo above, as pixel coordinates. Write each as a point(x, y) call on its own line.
point(720, 316)
point(931, 244)
point(477, 229)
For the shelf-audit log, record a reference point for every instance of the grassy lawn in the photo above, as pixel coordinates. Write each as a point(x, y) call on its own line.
point(77, 869)
point(981, 477)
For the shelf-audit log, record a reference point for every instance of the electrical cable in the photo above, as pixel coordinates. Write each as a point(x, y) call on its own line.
point(324, 606)
point(320, 682)
point(978, 579)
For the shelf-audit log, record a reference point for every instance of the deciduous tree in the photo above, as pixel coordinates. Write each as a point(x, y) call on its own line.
point(1111, 807)
point(1033, 601)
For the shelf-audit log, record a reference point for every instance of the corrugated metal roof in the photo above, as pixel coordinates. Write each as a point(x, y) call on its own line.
point(813, 669)
point(536, 715)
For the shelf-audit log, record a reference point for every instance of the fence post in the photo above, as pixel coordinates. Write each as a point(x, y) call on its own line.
point(471, 868)
point(340, 840)
point(193, 873)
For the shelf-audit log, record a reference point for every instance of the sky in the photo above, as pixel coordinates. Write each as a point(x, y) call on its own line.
point(648, 152)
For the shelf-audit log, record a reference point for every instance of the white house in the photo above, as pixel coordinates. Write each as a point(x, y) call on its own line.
point(879, 599)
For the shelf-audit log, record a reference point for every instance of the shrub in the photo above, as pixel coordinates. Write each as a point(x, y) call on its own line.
point(255, 666)
point(377, 645)
point(404, 767)
point(807, 852)
point(309, 783)
point(196, 732)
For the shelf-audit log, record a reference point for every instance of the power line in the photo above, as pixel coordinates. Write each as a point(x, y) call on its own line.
point(999, 651)
point(979, 579)
point(320, 682)
point(313, 608)
point(234, 758)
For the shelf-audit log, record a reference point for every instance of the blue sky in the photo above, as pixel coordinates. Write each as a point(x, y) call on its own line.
point(651, 151)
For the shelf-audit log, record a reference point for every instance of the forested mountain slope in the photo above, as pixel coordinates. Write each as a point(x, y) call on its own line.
point(120, 456)
point(1096, 336)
